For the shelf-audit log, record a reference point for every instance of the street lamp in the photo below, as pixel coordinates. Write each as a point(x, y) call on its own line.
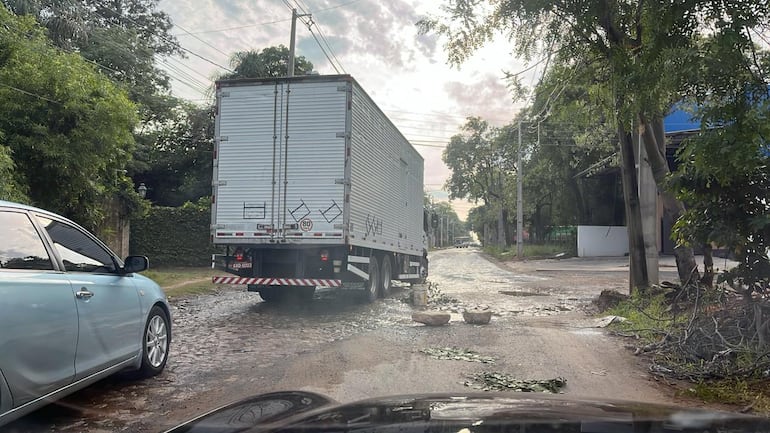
point(142, 190)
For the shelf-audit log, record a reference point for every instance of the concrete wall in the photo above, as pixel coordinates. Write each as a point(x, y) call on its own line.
point(602, 241)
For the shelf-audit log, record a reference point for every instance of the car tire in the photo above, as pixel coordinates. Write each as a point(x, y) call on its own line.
point(373, 283)
point(156, 341)
point(386, 273)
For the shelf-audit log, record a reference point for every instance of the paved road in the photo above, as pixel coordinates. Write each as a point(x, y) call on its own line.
point(231, 345)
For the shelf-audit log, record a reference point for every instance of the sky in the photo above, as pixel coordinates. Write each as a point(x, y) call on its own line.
point(375, 41)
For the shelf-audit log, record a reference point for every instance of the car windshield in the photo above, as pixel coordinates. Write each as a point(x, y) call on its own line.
point(204, 202)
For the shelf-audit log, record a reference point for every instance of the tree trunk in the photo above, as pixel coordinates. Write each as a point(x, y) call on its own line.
point(708, 267)
point(509, 236)
point(638, 277)
point(655, 145)
point(501, 229)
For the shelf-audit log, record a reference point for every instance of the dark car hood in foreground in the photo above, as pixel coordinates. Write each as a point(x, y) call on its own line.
point(461, 413)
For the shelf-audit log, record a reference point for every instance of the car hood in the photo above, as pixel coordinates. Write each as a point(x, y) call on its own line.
point(463, 413)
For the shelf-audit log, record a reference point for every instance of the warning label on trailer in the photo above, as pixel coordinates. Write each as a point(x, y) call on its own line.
point(306, 225)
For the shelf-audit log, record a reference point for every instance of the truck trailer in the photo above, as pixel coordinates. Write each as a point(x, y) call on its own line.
point(313, 186)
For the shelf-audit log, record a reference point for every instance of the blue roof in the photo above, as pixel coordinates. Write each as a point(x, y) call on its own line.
point(680, 120)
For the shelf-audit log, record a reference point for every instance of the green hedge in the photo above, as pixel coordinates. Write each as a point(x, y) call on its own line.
point(174, 236)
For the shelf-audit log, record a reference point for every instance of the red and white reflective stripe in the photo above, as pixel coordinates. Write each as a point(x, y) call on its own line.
point(278, 281)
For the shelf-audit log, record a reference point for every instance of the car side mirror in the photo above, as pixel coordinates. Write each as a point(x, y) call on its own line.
point(135, 264)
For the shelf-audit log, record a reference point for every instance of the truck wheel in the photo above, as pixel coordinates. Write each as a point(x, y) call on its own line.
point(373, 284)
point(386, 274)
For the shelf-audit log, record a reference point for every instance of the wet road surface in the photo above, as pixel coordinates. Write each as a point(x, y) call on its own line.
point(230, 345)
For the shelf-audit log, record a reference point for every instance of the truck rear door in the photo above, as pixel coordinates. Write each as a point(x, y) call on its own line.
point(280, 163)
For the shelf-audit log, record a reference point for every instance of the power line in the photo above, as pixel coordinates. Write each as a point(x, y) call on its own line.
point(29, 93)
point(309, 24)
point(235, 28)
point(189, 85)
point(335, 7)
point(327, 45)
point(320, 31)
point(206, 43)
point(165, 38)
point(266, 23)
point(438, 113)
point(186, 78)
point(101, 66)
point(207, 81)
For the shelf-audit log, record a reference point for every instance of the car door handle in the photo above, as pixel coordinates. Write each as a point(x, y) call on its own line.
point(84, 294)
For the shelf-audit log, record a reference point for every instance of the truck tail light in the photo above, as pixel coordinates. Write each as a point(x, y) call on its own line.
point(324, 255)
point(239, 254)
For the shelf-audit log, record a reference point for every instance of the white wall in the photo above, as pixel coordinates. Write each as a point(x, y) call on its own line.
point(602, 241)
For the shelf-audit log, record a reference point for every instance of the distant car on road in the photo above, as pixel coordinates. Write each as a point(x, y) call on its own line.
point(72, 312)
point(462, 242)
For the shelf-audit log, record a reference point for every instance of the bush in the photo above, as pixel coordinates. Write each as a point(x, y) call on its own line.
point(174, 236)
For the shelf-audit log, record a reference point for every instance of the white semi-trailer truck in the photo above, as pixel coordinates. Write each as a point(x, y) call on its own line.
point(313, 187)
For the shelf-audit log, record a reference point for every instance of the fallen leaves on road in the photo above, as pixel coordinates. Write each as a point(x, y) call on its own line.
point(457, 354)
point(492, 381)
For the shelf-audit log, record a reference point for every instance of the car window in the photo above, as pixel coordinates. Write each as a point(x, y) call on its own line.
point(21, 246)
point(78, 251)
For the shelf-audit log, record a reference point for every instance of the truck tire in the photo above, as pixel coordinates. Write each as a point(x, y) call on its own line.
point(386, 273)
point(372, 286)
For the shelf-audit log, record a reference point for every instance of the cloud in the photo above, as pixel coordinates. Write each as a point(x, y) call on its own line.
point(486, 97)
point(427, 45)
point(377, 42)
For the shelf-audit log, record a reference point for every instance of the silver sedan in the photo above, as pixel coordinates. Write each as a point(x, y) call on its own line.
point(72, 312)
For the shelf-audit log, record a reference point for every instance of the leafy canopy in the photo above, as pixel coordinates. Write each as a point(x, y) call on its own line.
point(68, 128)
point(270, 62)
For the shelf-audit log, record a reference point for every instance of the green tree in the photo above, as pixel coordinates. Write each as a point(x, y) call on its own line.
point(449, 224)
point(270, 62)
point(724, 175)
point(644, 51)
point(177, 168)
point(69, 129)
point(9, 186)
point(571, 142)
point(481, 219)
point(481, 164)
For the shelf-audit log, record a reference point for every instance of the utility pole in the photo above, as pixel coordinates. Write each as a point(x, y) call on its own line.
point(519, 203)
point(292, 40)
point(648, 204)
point(440, 231)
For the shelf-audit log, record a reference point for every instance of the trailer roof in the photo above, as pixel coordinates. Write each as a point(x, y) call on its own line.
point(235, 82)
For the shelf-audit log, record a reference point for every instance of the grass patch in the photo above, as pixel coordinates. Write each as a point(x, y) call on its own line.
point(529, 250)
point(751, 394)
point(183, 281)
point(648, 316)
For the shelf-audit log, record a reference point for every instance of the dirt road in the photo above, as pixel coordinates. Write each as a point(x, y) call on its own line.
point(231, 345)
